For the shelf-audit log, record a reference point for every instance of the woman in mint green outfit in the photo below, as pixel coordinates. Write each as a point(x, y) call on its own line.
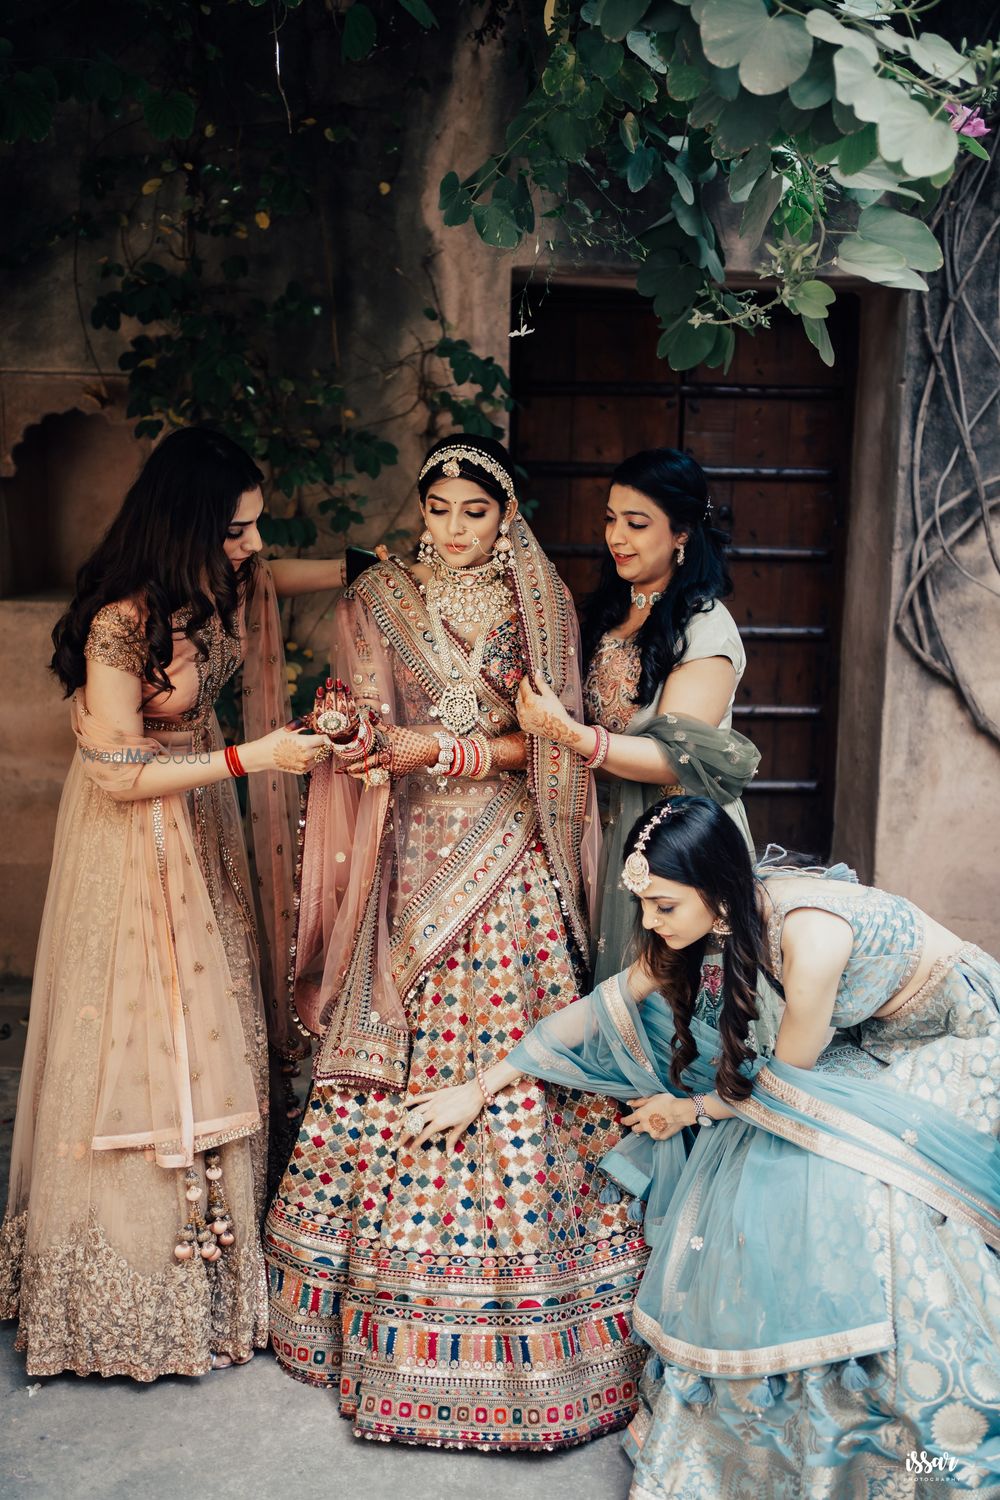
point(815, 1126)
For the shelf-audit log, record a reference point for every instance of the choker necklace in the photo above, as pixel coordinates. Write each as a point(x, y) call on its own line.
point(641, 600)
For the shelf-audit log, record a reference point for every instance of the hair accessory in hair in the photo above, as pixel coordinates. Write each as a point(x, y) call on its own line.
point(450, 461)
point(709, 507)
point(636, 875)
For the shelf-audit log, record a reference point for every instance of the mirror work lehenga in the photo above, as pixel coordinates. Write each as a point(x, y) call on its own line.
point(822, 1297)
point(481, 1297)
point(146, 1042)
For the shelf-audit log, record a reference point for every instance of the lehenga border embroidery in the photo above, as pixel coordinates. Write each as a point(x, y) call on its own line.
point(772, 1359)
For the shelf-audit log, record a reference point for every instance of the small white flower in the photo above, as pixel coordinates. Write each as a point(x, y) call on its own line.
point(697, 1242)
point(910, 1137)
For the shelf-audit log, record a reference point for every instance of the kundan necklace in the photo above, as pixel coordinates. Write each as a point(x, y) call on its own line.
point(464, 596)
point(640, 600)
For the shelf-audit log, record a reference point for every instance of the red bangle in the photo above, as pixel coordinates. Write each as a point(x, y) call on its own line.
point(233, 761)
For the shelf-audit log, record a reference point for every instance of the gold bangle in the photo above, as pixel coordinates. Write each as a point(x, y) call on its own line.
point(485, 749)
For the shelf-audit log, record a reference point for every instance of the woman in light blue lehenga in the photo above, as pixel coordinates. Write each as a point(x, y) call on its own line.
point(822, 1300)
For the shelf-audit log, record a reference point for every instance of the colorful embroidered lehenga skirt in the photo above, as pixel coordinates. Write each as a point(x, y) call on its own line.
point(480, 1298)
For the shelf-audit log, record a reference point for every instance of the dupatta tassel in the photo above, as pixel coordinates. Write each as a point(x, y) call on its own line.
point(610, 1193)
point(766, 1391)
point(699, 1394)
point(854, 1377)
point(636, 1211)
point(654, 1367)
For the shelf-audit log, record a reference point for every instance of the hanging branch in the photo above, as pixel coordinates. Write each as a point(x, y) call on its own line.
point(952, 502)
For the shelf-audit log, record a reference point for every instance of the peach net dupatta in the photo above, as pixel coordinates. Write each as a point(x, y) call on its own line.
point(273, 803)
point(172, 1072)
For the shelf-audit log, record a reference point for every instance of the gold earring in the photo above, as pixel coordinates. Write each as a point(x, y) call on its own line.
point(721, 927)
point(425, 548)
point(680, 555)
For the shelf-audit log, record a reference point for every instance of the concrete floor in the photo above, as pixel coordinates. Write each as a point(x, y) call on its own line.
point(237, 1434)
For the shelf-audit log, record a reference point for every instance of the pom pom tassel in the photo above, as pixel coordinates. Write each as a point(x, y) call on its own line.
point(654, 1367)
point(699, 1394)
point(610, 1194)
point(636, 1211)
point(854, 1377)
point(766, 1391)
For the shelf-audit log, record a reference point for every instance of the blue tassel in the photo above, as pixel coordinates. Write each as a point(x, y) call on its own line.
point(761, 1396)
point(636, 1211)
point(854, 1377)
point(654, 1367)
point(610, 1194)
point(699, 1394)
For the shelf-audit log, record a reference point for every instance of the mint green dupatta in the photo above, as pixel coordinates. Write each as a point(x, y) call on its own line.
point(706, 762)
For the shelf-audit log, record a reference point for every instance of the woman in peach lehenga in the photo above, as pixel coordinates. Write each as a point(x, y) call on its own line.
point(131, 1244)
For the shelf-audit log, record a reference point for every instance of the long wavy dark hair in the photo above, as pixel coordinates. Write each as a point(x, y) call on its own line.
point(485, 480)
point(698, 844)
point(164, 550)
point(677, 484)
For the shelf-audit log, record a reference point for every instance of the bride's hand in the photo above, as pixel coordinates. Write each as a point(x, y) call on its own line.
point(661, 1116)
point(440, 1112)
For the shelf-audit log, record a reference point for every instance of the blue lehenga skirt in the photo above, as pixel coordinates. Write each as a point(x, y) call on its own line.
point(823, 1294)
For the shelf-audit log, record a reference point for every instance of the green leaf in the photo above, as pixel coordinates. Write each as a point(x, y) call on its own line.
point(911, 237)
point(816, 85)
point(685, 346)
point(454, 200)
point(935, 56)
point(822, 25)
point(812, 299)
point(642, 164)
point(685, 82)
point(760, 206)
point(495, 224)
point(169, 115)
point(678, 292)
point(26, 107)
point(819, 337)
point(908, 134)
point(729, 29)
point(568, 135)
point(645, 49)
point(856, 151)
point(602, 57)
point(877, 177)
point(680, 177)
point(359, 33)
point(619, 17)
point(747, 170)
point(103, 81)
point(628, 129)
point(974, 147)
point(752, 118)
point(781, 52)
point(420, 11)
point(860, 257)
point(860, 86)
point(706, 109)
point(559, 69)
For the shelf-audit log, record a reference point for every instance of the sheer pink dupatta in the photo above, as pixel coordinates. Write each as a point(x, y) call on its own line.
point(346, 828)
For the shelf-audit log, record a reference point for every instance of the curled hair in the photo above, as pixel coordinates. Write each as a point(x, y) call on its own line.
point(163, 552)
point(494, 450)
point(698, 844)
point(677, 485)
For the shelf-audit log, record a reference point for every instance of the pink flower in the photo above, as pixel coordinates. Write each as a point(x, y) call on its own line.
point(967, 121)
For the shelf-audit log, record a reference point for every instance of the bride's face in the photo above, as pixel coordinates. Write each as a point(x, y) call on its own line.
point(463, 521)
point(676, 913)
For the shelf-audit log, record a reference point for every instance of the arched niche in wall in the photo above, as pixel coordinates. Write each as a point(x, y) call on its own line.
point(71, 471)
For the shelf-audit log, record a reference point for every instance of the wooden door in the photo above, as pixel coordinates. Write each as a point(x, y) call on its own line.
point(773, 435)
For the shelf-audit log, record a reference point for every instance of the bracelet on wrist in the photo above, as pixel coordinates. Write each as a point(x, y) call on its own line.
point(602, 744)
point(488, 1098)
point(235, 765)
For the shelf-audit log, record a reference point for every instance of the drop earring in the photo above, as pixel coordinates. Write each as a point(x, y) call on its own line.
point(425, 548)
point(721, 927)
point(680, 555)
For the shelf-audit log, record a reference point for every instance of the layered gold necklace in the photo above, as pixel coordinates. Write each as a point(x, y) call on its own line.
point(464, 596)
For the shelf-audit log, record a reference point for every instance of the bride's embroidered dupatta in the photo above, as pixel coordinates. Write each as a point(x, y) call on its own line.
point(735, 1287)
point(353, 971)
